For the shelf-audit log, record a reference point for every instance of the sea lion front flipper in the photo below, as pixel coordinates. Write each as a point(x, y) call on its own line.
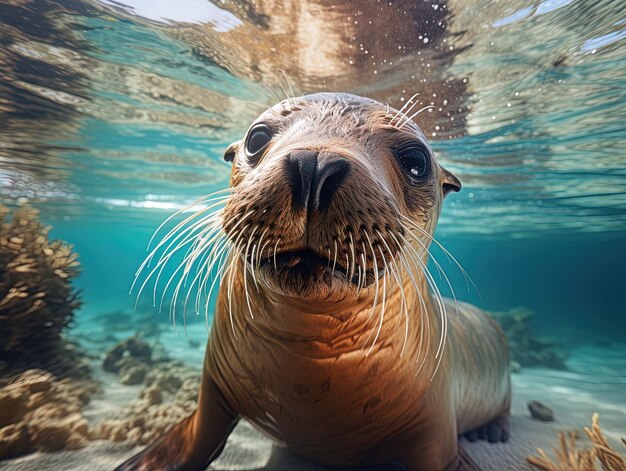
point(193, 443)
point(495, 431)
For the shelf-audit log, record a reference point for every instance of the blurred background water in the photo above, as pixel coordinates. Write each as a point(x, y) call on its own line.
point(115, 114)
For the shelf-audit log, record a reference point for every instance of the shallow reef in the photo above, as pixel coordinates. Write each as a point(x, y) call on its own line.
point(44, 377)
point(37, 299)
point(40, 412)
point(525, 347)
point(168, 395)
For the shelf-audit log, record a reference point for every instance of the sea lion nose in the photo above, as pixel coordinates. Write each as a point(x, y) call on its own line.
point(314, 177)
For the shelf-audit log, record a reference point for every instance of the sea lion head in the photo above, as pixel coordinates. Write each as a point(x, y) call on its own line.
point(328, 192)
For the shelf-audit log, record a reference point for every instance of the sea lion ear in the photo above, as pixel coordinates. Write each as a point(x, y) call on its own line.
point(231, 151)
point(449, 182)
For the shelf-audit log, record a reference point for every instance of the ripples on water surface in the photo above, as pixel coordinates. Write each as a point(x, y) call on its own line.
point(112, 115)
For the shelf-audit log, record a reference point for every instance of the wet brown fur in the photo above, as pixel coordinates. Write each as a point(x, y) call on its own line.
point(297, 358)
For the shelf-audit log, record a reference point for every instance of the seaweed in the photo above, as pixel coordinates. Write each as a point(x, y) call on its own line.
point(569, 458)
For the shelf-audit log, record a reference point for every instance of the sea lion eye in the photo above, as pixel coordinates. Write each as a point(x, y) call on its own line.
point(414, 160)
point(258, 138)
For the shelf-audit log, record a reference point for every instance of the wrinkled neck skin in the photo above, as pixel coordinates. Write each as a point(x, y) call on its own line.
point(344, 323)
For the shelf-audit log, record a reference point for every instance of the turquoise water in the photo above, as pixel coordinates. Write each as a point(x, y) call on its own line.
point(114, 115)
point(119, 117)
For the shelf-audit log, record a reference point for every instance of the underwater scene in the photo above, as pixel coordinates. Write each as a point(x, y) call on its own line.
point(402, 173)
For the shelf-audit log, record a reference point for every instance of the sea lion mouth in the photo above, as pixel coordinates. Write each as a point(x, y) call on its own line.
point(308, 265)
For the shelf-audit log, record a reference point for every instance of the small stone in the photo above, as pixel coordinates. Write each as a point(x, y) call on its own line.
point(515, 367)
point(133, 373)
point(540, 412)
point(131, 347)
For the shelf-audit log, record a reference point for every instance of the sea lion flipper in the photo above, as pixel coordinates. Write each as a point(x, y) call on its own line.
point(494, 432)
point(192, 443)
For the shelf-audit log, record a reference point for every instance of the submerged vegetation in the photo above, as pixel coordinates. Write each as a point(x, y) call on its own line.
point(43, 376)
point(37, 299)
point(601, 456)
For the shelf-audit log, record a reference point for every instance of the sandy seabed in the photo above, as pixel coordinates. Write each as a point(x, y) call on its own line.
point(595, 382)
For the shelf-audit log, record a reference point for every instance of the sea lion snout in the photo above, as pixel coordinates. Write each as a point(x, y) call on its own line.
point(314, 177)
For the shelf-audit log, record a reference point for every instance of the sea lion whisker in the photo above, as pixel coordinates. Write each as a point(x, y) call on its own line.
point(442, 309)
point(206, 263)
point(161, 264)
point(410, 118)
point(375, 275)
point(352, 264)
point(202, 240)
point(363, 259)
point(245, 258)
point(401, 110)
point(278, 100)
point(207, 270)
point(207, 233)
point(439, 267)
point(230, 270)
point(424, 320)
point(180, 226)
point(208, 256)
point(384, 299)
point(218, 241)
point(424, 313)
point(449, 255)
point(404, 307)
point(253, 266)
point(287, 97)
point(292, 95)
point(218, 258)
point(236, 255)
point(186, 270)
point(260, 251)
point(146, 262)
point(360, 274)
point(245, 273)
point(334, 258)
point(200, 200)
point(398, 277)
point(189, 235)
point(219, 276)
point(201, 249)
point(275, 250)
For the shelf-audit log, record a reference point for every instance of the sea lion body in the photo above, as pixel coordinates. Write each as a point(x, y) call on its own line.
point(348, 409)
point(326, 335)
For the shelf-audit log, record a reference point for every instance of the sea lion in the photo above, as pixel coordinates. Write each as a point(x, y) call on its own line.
point(329, 333)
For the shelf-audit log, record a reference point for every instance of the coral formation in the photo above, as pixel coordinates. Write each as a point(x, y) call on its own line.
point(168, 395)
point(39, 412)
point(37, 300)
point(526, 349)
point(569, 458)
